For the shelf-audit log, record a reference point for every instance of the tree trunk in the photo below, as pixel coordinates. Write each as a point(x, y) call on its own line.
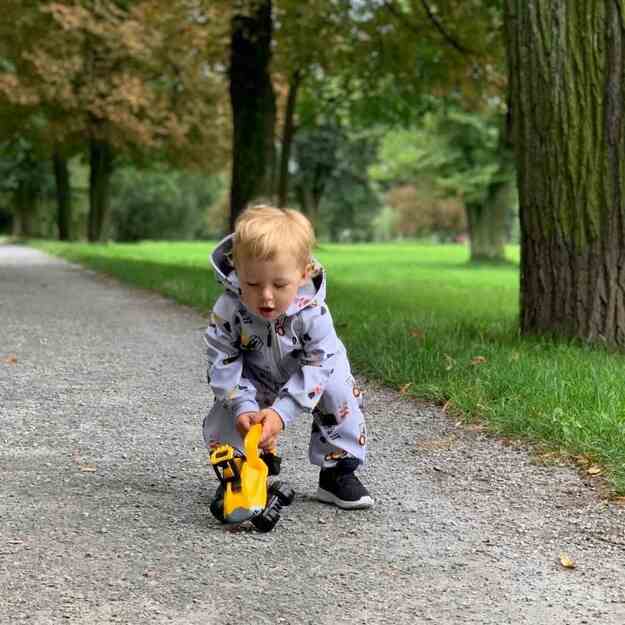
point(487, 227)
point(101, 170)
point(566, 63)
point(287, 139)
point(309, 203)
point(253, 108)
point(63, 196)
point(25, 207)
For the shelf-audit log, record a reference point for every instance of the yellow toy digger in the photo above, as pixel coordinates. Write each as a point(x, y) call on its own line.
point(243, 483)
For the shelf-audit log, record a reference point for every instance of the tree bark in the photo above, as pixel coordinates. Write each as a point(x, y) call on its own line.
point(253, 108)
point(287, 138)
point(101, 170)
point(487, 227)
point(25, 200)
point(566, 64)
point(309, 203)
point(63, 196)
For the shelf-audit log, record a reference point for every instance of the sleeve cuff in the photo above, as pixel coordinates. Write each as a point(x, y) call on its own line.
point(246, 405)
point(287, 408)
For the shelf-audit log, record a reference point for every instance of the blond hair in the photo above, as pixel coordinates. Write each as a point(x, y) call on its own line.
point(262, 231)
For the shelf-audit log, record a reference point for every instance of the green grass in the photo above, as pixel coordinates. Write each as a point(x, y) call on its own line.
point(418, 315)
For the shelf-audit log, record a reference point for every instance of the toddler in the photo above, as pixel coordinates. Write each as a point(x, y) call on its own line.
point(274, 356)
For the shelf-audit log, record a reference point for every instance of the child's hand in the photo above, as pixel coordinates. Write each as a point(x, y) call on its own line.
point(272, 426)
point(245, 421)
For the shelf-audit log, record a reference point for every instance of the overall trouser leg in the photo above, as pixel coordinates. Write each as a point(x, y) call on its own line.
point(338, 428)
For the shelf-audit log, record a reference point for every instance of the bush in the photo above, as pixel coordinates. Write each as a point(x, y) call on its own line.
point(420, 212)
point(162, 204)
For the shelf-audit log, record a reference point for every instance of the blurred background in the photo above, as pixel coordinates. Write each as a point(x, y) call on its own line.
point(380, 119)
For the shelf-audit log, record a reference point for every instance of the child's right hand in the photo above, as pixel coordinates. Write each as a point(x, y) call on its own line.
point(272, 426)
point(245, 421)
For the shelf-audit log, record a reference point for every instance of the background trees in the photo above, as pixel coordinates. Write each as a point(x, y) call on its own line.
point(111, 79)
point(291, 99)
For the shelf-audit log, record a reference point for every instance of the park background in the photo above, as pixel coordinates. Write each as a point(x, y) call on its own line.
point(133, 133)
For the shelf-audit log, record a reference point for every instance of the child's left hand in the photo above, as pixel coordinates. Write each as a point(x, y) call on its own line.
point(272, 426)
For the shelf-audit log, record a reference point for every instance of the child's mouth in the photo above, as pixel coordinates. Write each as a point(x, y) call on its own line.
point(265, 311)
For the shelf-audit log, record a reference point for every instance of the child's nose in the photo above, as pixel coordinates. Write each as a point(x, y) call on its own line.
point(267, 294)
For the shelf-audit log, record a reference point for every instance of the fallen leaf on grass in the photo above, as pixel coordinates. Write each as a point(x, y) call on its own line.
point(11, 359)
point(449, 362)
point(475, 427)
point(582, 460)
point(88, 468)
point(478, 360)
point(594, 470)
point(403, 389)
point(417, 333)
point(566, 561)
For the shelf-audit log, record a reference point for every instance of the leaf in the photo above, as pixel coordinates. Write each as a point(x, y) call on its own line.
point(478, 360)
point(449, 362)
point(11, 359)
point(595, 469)
point(403, 389)
point(88, 468)
point(417, 333)
point(566, 561)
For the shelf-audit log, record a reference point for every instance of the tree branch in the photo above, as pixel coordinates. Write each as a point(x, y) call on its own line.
point(441, 29)
point(388, 4)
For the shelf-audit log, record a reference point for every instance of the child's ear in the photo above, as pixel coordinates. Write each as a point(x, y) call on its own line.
point(307, 273)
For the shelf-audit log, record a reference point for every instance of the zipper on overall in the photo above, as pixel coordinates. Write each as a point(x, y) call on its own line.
point(276, 355)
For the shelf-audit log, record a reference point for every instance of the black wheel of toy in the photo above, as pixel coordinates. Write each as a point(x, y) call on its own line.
point(217, 504)
point(268, 518)
point(283, 492)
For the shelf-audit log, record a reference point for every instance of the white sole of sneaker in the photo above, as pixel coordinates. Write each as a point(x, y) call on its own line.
point(359, 504)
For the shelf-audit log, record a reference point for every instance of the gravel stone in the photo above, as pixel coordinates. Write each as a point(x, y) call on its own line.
point(105, 488)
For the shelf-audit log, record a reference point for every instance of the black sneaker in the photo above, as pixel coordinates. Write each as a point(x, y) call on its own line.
point(272, 461)
point(340, 486)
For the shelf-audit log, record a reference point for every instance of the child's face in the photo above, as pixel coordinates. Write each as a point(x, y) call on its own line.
point(269, 286)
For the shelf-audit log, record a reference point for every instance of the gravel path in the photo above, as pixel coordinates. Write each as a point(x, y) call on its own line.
point(105, 489)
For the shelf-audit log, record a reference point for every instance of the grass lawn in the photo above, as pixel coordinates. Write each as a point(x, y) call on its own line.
point(419, 318)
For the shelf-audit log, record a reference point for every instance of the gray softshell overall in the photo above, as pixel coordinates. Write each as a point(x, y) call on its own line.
point(296, 365)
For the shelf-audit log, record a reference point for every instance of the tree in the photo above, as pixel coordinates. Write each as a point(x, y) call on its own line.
point(463, 155)
point(26, 178)
point(371, 62)
point(114, 77)
point(253, 106)
point(63, 194)
point(567, 79)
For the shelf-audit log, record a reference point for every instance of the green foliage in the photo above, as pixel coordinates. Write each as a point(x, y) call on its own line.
point(329, 183)
point(26, 185)
point(162, 204)
point(459, 150)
